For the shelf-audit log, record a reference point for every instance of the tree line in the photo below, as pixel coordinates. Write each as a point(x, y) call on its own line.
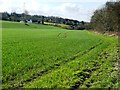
point(107, 18)
point(39, 19)
point(104, 20)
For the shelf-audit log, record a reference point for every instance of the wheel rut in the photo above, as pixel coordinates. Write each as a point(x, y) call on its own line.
point(87, 72)
point(54, 67)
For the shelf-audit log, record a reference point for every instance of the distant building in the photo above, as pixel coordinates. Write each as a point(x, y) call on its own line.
point(27, 21)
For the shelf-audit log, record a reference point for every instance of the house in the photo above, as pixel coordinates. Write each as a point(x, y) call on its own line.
point(27, 21)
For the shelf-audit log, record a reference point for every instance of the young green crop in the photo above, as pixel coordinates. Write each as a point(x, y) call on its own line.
point(46, 56)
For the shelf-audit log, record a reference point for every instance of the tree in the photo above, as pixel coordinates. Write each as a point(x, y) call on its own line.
point(42, 19)
point(107, 18)
point(5, 16)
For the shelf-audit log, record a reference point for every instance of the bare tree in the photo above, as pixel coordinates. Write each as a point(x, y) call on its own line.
point(107, 18)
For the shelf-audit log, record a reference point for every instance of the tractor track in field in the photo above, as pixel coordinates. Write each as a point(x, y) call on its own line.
point(54, 67)
point(82, 80)
point(86, 73)
point(62, 35)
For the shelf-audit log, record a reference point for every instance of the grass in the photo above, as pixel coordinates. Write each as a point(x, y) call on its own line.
point(40, 56)
point(58, 25)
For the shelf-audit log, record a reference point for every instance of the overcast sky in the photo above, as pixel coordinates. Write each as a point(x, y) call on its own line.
point(72, 9)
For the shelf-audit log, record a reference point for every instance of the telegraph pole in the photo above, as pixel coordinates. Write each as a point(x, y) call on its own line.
point(24, 11)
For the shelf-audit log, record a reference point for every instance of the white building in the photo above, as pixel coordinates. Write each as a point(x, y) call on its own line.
point(28, 21)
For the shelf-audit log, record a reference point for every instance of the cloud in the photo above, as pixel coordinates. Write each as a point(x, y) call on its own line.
point(74, 9)
point(3, 6)
point(65, 1)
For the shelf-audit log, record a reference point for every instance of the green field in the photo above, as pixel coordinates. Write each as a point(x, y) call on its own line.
point(42, 56)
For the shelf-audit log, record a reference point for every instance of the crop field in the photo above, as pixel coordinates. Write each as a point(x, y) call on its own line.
point(43, 56)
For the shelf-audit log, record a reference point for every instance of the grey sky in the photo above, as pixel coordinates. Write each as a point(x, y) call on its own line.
point(73, 9)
